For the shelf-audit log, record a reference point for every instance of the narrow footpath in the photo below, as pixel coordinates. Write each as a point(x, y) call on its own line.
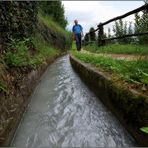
point(63, 112)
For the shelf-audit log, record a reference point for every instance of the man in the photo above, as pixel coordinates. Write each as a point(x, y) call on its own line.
point(77, 34)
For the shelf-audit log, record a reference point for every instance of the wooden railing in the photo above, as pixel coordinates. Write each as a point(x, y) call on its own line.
point(100, 27)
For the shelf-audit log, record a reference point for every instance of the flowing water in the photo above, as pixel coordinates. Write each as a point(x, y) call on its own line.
point(63, 112)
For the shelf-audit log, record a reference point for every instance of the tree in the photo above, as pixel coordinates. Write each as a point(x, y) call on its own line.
point(137, 23)
point(130, 31)
point(92, 34)
point(55, 10)
point(141, 25)
point(86, 38)
point(120, 29)
point(109, 34)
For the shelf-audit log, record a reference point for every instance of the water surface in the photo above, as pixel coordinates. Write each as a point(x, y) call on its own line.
point(63, 112)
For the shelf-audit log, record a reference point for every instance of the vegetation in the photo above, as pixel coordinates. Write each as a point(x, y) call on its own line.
point(144, 129)
point(21, 23)
point(141, 25)
point(86, 38)
point(24, 38)
point(92, 34)
point(15, 22)
point(21, 55)
point(121, 28)
point(131, 71)
point(55, 10)
point(3, 87)
point(48, 21)
point(118, 49)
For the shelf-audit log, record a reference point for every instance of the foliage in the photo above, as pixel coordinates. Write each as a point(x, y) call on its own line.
point(92, 34)
point(133, 71)
point(86, 38)
point(109, 33)
point(20, 56)
point(141, 25)
point(120, 29)
point(18, 19)
point(55, 10)
point(50, 23)
point(17, 54)
point(64, 36)
point(118, 49)
point(144, 129)
point(44, 52)
point(33, 51)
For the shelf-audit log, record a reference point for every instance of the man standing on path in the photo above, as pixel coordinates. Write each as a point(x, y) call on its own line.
point(77, 34)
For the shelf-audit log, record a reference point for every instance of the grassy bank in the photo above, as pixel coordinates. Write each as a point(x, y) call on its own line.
point(118, 49)
point(21, 65)
point(135, 72)
point(20, 54)
point(51, 24)
point(33, 51)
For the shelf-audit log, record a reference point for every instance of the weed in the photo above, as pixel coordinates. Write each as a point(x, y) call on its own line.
point(144, 129)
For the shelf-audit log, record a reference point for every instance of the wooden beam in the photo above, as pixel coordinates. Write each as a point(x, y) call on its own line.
point(128, 35)
point(144, 7)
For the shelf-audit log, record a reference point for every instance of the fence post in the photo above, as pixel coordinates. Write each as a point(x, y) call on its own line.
point(100, 35)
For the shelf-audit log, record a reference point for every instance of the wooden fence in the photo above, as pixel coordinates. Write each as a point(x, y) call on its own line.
point(100, 27)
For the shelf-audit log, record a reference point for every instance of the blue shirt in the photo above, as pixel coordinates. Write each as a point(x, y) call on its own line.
point(77, 29)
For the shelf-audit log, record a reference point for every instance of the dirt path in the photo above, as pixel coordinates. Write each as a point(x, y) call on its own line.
point(119, 56)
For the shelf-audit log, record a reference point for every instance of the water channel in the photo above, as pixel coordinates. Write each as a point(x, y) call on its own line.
point(63, 112)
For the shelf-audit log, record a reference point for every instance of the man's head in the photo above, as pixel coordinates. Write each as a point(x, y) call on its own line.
point(76, 22)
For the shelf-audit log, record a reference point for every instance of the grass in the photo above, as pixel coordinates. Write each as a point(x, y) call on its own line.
point(51, 24)
point(56, 28)
point(144, 129)
point(32, 52)
point(19, 54)
point(44, 51)
point(131, 71)
point(118, 49)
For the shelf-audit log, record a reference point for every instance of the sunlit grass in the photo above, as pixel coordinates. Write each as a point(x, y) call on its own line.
point(119, 49)
point(133, 71)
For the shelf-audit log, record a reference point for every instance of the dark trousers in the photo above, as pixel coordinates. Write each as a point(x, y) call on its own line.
point(78, 41)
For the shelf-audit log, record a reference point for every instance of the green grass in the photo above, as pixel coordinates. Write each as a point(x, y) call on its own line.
point(56, 28)
point(19, 55)
point(132, 71)
point(118, 49)
point(144, 129)
point(51, 24)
